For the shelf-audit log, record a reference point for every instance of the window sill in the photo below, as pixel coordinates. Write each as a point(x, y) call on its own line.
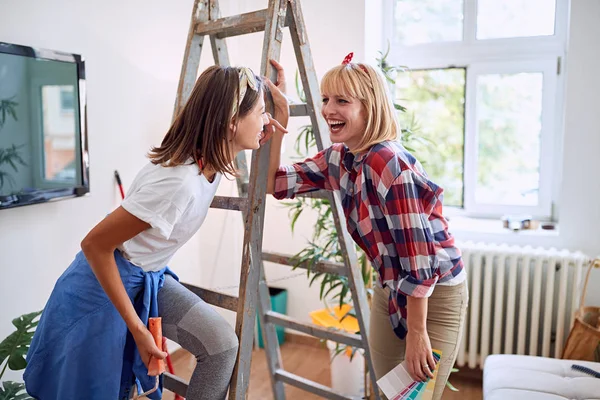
point(494, 226)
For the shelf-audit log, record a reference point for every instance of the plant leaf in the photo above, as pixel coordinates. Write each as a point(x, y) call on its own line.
point(16, 345)
point(343, 293)
point(7, 106)
point(399, 107)
point(323, 284)
point(451, 386)
point(315, 277)
point(13, 391)
point(295, 218)
point(332, 287)
point(299, 88)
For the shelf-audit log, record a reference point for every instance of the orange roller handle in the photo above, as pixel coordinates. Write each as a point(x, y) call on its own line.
point(156, 366)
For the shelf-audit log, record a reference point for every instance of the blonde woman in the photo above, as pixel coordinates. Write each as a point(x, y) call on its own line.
point(394, 213)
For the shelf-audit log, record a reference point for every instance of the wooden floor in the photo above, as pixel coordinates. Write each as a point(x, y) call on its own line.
point(311, 362)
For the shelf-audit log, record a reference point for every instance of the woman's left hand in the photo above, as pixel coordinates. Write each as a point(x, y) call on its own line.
point(270, 128)
point(419, 355)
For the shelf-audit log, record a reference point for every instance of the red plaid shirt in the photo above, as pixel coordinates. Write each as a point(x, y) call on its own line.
point(393, 212)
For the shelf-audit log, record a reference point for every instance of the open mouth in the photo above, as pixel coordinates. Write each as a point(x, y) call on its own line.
point(336, 126)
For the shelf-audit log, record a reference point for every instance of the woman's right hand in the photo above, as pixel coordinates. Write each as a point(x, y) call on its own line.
point(146, 344)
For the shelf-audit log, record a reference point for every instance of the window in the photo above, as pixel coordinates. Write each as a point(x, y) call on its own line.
point(515, 18)
point(437, 98)
point(419, 21)
point(484, 86)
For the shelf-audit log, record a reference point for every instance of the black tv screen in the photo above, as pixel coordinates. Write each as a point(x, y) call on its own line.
point(43, 138)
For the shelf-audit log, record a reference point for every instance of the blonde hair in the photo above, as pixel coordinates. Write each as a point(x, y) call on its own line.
point(365, 83)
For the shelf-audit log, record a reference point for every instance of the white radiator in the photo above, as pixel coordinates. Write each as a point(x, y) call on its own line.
point(521, 300)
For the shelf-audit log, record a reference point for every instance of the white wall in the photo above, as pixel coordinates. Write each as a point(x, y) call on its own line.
point(133, 54)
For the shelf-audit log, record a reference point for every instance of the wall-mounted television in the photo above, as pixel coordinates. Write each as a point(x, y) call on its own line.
point(43, 135)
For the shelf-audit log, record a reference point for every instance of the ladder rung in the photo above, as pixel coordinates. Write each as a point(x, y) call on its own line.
point(311, 386)
point(215, 298)
point(175, 384)
point(327, 267)
point(318, 194)
point(230, 203)
point(337, 336)
point(298, 110)
point(234, 25)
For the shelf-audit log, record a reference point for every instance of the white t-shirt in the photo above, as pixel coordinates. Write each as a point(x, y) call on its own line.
point(174, 201)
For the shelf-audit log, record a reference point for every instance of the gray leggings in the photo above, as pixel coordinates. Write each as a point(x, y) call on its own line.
point(198, 328)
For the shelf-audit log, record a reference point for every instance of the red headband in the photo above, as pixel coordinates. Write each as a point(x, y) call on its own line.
point(348, 60)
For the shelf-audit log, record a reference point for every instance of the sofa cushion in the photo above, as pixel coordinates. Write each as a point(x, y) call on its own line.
point(537, 378)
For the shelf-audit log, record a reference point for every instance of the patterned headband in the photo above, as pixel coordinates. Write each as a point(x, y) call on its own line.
point(247, 78)
point(348, 60)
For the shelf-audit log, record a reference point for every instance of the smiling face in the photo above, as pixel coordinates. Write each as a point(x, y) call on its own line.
point(346, 117)
point(357, 106)
point(248, 131)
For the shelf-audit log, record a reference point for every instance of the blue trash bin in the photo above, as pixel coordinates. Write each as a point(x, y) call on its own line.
point(278, 304)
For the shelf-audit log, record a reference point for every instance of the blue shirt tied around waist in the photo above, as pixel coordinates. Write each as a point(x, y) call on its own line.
point(82, 347)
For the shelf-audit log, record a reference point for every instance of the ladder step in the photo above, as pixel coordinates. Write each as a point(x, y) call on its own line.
point(175, 384)
point(337, 336)
point(311, 386)
point(235, 25)
point(298, 110)
point(215, 298)
point(327, 267)
point(230, 203)
point(317, 194)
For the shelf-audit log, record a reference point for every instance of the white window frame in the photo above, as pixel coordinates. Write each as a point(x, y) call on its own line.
point(544, 54)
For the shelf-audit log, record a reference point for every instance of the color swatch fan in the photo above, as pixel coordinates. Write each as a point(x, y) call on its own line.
point(398, 385)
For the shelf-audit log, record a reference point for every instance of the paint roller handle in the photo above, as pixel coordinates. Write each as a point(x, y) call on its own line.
point(148, 340)
point(156, 366)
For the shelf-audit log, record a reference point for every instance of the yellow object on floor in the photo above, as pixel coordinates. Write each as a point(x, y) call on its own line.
point(336, 318)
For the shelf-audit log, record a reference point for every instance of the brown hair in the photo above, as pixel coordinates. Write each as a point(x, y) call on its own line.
point(363, 82)
point(200, 129)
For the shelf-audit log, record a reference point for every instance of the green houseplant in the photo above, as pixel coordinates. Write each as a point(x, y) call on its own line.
point(13, 350)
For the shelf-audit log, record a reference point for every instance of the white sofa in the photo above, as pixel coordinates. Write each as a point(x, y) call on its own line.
point(515, 377)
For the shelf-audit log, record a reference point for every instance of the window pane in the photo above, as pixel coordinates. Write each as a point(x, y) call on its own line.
point(428, 21)
point(59, 132)
point(509, 112)
point(435, 101)
point(515, 18)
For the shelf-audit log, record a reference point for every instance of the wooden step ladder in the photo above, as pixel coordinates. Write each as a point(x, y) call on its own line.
point(253, 290)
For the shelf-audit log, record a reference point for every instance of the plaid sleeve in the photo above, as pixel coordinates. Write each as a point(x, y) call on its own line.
point(307, 176)
point(407, 205)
